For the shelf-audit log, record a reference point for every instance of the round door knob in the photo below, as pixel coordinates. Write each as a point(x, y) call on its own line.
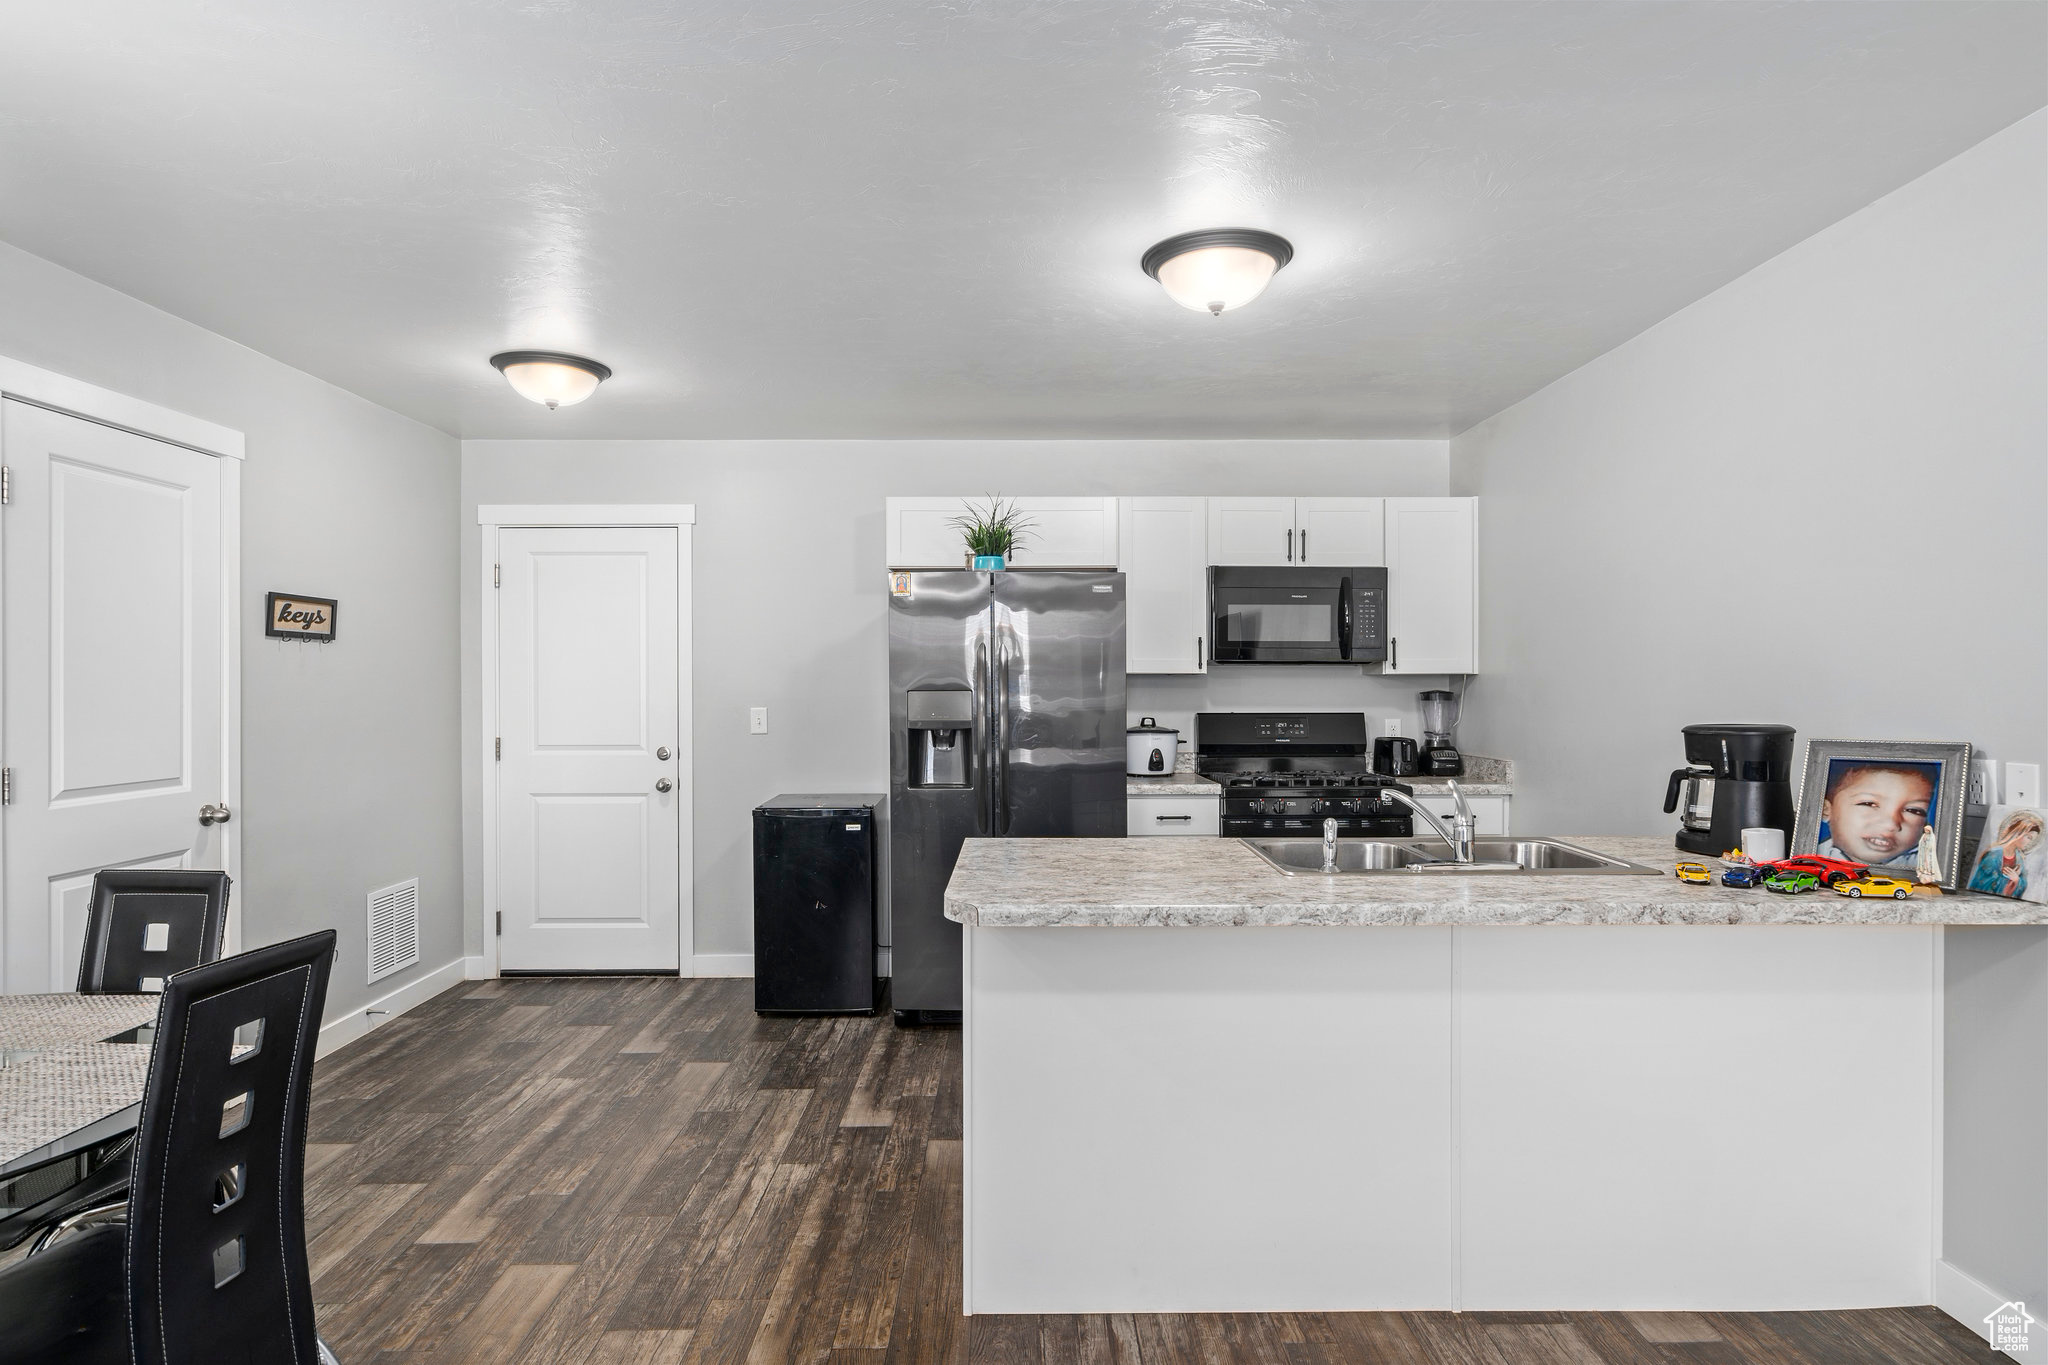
point(662, 753)
point(664, 785)
point(215, 815)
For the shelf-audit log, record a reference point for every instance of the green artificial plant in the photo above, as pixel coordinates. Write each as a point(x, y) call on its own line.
point(996, 529)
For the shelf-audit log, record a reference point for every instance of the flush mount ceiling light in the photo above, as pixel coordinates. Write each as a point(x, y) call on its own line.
point(1219, 269)
point(551, 377)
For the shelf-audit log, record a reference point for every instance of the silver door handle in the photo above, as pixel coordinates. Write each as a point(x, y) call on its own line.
point(664, 785)
point(215, 815)
point(662, 753)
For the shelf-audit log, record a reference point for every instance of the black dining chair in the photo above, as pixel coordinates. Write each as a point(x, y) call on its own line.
point(206, 1261)
point(146, 923)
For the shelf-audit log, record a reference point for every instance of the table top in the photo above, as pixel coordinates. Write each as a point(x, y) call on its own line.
point(58, 1075)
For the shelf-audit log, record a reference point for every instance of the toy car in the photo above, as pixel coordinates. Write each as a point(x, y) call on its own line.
point(1792, 880)
point(1693, 872)
point(1744, 874)
point(1875, 886)
point(1829, 870)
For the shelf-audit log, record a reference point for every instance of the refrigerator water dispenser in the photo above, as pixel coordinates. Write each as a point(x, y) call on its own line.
point(940, 724)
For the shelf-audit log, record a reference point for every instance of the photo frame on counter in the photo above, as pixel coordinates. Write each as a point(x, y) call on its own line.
point(2011, 859)
point(296, 616)
point(1873, 802)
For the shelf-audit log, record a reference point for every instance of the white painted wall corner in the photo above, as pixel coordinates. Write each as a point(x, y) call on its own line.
point(1968, 1299)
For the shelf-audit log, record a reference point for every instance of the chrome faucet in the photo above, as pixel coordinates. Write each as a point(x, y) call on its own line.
point(1329, 845)
point(1463, 825)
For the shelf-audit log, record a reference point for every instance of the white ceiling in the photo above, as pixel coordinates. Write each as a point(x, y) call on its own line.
point(808, 218)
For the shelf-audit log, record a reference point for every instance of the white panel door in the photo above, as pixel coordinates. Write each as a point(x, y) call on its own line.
point(114, 663)
point(1067, 533)
point(1349, 533)
point(589, 842)
point(1251, 531)
point(1432, 585)
point(1164, 543)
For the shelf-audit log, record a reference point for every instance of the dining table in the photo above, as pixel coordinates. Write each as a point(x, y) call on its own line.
point(72, 1072)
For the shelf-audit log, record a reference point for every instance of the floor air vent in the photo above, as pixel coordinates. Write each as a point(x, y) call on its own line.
point(394, 928)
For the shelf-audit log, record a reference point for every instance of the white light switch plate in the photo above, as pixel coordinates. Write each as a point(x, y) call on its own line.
point(1983, 782)
point(2022, 784)
point(757, 720)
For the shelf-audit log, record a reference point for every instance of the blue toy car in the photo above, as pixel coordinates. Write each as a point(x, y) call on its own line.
point(1744, 875)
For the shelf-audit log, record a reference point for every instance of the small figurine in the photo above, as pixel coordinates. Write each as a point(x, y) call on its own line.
point(1744, 874)
point(1927, 864)
point(1870, 884)
point(1792, 880)
point(1695, 873)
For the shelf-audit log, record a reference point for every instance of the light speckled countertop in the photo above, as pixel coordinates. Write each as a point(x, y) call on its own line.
point(1165, 882)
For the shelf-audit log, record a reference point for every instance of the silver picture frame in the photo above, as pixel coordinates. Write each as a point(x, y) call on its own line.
point(1946, 808)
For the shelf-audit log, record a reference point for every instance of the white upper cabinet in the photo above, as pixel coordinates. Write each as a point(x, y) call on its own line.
point(1348, 533)
point(1341, 532)
point(1251, 531)
point(1164, 548)
point(1432, 581)
point(1066, 533)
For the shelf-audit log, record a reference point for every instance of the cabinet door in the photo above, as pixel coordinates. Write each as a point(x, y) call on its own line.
point(1432, 585)
point(920, 533)
point(1164, 547)
point(1173, 817)
point(1068, 533)
point(1251, 531)
point(1341, 532)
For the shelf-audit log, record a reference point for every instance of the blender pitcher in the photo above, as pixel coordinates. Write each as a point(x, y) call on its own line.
point(1440, 756)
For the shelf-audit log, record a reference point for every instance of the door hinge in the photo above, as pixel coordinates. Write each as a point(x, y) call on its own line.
point(501, 924)
point(497, 576)
point(6, 485)
point(498, 748)
point(6, 786)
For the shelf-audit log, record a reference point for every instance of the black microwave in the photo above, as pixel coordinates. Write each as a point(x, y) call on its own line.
point(1297, 616)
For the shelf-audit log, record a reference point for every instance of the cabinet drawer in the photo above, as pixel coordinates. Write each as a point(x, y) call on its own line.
point(1490, 812)
point(1174, 816)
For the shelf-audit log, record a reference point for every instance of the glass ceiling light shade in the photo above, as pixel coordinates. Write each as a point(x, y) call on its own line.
point(550, 377)
point(1219, 269)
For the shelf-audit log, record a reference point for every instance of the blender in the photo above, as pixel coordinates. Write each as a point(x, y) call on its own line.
point(1440, 756)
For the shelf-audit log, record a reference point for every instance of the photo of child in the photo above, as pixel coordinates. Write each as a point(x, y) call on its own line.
point(1874, 810)
point(2011, 860)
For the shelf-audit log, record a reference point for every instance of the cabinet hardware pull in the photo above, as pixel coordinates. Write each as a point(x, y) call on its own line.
point(1290, 545)
point(1304, 544)
point(1198, 651)
point(1173, 817)
point(1394, 652)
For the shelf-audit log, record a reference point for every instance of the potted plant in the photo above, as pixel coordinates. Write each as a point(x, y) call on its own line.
point(992, 532)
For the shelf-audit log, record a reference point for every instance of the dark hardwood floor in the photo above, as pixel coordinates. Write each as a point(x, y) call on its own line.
point(643, 1172)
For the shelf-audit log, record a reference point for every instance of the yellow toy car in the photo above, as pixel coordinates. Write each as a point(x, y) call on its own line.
point(1875, 886)
point(1694, 872)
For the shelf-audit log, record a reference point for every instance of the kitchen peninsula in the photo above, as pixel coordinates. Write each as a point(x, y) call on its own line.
point(1195, 1082)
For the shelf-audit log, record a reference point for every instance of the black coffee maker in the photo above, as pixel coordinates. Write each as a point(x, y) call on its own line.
point(1736, 777)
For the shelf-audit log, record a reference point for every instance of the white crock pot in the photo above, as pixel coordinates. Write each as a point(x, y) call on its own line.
point(1150, 749)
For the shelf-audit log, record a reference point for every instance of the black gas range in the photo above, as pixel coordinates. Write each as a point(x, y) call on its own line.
point(1284, 773)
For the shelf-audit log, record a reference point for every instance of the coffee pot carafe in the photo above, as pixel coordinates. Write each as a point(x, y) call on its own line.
point(1736, 777)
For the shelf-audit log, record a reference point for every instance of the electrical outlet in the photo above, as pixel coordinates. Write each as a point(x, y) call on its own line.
point(1393, 726)
point(757, 720)
point(1983, 782)
point(2022, 784)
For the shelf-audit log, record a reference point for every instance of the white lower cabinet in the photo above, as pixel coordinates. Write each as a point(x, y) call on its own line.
point(1174, 816)
point(1490, 813)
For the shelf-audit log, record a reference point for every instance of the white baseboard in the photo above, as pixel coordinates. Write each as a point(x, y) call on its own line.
point(349, 1027)
point(473, 968)
point(722, 964)
point(1969, 1301)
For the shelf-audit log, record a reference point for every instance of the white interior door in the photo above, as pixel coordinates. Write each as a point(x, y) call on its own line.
point(114, 667)
point(589, 841)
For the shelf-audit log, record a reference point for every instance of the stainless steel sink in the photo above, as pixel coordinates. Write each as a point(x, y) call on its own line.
point(1492, 856)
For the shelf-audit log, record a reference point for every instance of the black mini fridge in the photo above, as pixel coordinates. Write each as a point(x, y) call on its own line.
point(814, 904)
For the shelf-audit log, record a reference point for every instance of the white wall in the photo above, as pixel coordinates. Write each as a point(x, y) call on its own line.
point(1817, 496)
point(349, 749)
point(790, 599)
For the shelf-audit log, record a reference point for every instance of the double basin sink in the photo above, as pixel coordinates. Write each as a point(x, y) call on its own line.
point(1491, 856)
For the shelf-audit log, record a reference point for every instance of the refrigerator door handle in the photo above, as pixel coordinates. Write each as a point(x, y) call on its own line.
point(984, 776)
point(1004, 699)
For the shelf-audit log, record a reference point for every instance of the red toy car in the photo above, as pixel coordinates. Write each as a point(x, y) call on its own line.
point(1829, 870)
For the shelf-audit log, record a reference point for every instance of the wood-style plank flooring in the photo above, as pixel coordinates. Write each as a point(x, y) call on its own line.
point(643, 1172)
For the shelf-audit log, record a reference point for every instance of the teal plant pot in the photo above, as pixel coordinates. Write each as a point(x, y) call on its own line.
point(989, 563)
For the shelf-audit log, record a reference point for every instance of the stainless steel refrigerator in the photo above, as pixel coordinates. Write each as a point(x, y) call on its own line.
point(1006, 720)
